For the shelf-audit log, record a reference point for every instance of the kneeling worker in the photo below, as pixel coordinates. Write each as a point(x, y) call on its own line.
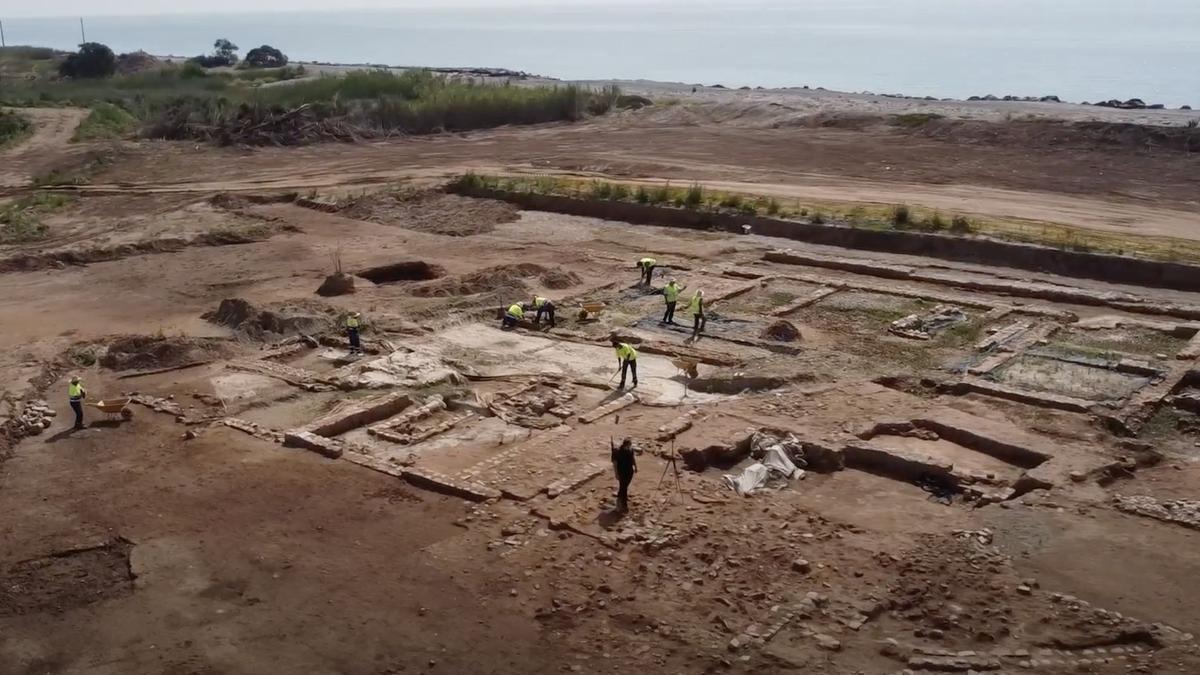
point(627, 357)
point(513, 316)
point(76, 393)
point(647, 267)
point(543, 306)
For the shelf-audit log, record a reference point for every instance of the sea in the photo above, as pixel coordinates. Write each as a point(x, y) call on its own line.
point(1075, 49)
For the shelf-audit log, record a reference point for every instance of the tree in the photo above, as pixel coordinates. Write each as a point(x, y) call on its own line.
point(226, 50)
point(266, 56)
point(93, 60)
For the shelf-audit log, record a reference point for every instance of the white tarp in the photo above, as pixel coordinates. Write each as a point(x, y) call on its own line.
point(775, 465)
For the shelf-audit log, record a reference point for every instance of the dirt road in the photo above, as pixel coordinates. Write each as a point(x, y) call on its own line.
point(53, 128)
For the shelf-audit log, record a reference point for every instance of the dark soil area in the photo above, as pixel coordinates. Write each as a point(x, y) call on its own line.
point(67, 579)
point(139, 352)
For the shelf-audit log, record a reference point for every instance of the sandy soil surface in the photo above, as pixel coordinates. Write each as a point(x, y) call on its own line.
point(53, 128)
point(445, 502)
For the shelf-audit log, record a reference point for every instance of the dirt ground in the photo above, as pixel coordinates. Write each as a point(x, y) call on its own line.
point(445, 501)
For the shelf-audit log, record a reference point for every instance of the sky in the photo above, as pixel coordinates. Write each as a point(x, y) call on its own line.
point(28, 8)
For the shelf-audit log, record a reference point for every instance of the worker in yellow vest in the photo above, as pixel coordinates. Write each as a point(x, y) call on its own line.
point(514, 315)
point(696, 309)
point(352, 323)
point(76, 393)
point(647, 267)
point(671, 295)
point(627, 358)
point(543, 306)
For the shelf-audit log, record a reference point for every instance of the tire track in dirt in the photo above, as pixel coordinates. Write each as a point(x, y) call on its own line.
point(53, 128)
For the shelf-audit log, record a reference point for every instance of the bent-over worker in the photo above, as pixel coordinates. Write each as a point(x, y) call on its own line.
point(624, 462)
point(627, 357)
point(76, 393)
point(647, 267)
point(671, 296)
point(352, 332)
point(543, 306)
point(696, 309)
point(514, 315)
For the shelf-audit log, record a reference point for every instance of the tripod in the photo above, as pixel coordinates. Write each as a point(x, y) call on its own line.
point(672, 465)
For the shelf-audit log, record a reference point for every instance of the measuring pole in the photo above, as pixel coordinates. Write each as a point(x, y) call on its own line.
point(82, 35)
point(2, 42)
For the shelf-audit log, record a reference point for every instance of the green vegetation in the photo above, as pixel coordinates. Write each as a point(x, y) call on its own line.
point(92, 61)
point(20, 220)
point(188, 102)
point(266, 56)
point(695, 196)
point(106, 121)
point(13, 127)
point(900, 216)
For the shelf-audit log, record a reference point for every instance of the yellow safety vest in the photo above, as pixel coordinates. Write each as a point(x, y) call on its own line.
point(351, 322)
point(75, 391)
point(671, 292)
point(694, 305)
point(539, 302)
point(516, 312)
point(626, 353)
point(647, 262)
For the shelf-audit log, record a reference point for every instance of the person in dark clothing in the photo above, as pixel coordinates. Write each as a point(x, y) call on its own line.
point(624, 466)
point(543, 306)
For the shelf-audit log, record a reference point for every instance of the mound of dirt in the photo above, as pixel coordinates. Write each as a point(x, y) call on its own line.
point(136, 62)
point(502, 279)
point(278, 321)
point(146, 352)
point(336, 284)
point(781, 331)
point(432, 212)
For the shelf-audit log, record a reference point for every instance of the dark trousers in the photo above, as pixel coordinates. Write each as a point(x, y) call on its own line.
point(669, 317)
point(697, 324)
point(548, 310)
point(77, 406)
point(508, 322)
point(647, 274)
point(355, 345)
point(631, 366)
point(623, 481)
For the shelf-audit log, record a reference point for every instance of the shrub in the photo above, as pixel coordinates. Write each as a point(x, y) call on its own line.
point(661, 195)
point(817, 218)
point(935, 222)
point(641, 196)
point(900, 216)
point(12, 126)
point(191, 70)
point(105, 121)
point(772, 207)
point(748, 209)
point(914, 120)
point(731, 201)
point(620, 192)
point(93, 60)
point(694, 197)
point(961, 225)
point(601, 190)
point(266, 56)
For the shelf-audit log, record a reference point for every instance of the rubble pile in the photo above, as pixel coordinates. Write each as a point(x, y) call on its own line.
point(925, 326)
point(36, 416)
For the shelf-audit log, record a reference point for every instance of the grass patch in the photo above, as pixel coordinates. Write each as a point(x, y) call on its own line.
point(105, 122)
point(1131, 340)
point(21, 219)
point(13, 127)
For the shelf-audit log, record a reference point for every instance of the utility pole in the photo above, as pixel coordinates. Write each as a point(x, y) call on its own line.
point(82, 35)
point(2, 42)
